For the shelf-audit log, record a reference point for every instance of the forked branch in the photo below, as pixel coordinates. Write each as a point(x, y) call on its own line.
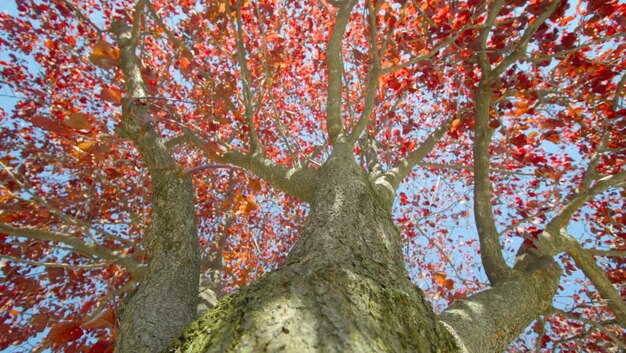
point(585, 261)
point(391, 179)
point(334, 63)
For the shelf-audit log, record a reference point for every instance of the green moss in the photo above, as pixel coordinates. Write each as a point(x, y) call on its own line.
point(197, 336)
point(389, 315)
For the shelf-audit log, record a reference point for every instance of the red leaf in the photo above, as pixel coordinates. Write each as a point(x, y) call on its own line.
point(403, 199)
point(64, 332)
point(494, 123)
point(47, 124)
point(39, 322)
point(103, 347)
point(519, 140)
point(55, 274)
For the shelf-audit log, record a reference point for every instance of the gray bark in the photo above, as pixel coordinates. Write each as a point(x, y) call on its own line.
point(167, 297)
point(166, 300)
point(343, 288)
point(490, 320)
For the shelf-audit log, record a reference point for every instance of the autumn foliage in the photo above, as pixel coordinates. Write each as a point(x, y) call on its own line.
point(74, 190)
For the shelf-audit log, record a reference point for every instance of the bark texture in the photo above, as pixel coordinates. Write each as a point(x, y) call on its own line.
point(490, 320)
point(167, 297)
point(343, 288)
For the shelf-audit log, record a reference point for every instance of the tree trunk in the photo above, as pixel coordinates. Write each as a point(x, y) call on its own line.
point(167, 298)
point(343, 287)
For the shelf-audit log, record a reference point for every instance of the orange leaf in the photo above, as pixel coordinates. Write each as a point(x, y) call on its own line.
point(104, 55)
point(104, 319)
point(185, 65)
point(111, 96)
point(456, 124)
point(86, 145)
point(441, 279)
point(243, 256)
point(552, 136)
point(248, 206)
point(255, 185)
point(251, 205)
point(64, 332)
point(79, 121)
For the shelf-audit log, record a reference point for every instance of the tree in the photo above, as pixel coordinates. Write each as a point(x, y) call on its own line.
point(155, 150)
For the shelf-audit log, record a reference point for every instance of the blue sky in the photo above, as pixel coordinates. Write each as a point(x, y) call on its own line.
point(462, 233)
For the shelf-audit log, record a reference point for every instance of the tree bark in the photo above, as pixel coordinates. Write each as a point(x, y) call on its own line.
point(343, 288)
point(488, 321)
point(167, 298)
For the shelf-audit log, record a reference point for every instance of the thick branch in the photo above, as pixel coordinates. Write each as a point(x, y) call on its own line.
point(88, 249)
point(490, 250)
point(520, 50)
point(556, 239)
point(368, 108)
point(255, 143)
point(607, 253)
point(580, 198)
point(390, 180)
point(153, 317)
point(372, 81)
point(483, 60)
point(369, 149)
point(467, 167)
point(54, 264)
point(489, 320)
point(585, 261)
point(491, 253)
point(299, 182)
point(334, 63)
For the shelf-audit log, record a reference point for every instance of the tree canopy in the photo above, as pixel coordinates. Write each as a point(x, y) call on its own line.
point(496, 127)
